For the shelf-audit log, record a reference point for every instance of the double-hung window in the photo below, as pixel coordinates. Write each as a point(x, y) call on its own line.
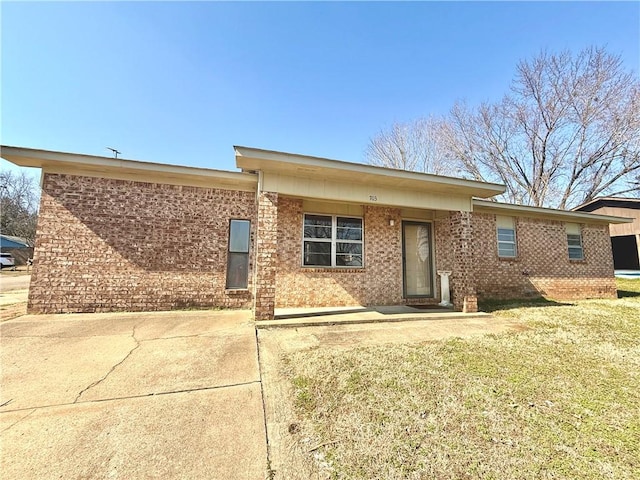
point(574, 241)
point(238, 254)
point(507, 246)
point(332, 241)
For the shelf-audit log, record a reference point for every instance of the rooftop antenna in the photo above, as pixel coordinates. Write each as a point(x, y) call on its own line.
point(115, 152)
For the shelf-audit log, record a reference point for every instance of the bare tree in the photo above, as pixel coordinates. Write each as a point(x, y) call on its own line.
point(416, 145)
point(569, 131)
point(19, 196)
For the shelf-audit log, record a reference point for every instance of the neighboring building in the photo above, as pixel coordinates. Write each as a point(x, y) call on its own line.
point(8, 241)
point(18, 247)
point(625, 237)
point(294, 231)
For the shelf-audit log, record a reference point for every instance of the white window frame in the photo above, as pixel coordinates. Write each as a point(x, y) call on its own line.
point(502, 219)
point(574, 230)
point(333, 240)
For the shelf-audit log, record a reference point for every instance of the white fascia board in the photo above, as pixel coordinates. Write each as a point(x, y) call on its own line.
point(565, 215)
point(73, 163)
point(253, 159)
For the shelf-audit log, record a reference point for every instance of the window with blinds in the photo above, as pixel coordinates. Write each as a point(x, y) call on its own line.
point(506, 232)
point(574, 241)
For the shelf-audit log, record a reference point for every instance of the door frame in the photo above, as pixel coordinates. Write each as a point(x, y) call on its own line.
point(429, 225)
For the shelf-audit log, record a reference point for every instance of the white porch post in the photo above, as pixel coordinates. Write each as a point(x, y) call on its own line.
point(444, 288)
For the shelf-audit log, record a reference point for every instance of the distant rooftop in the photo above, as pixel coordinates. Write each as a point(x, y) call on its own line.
point(620, 202)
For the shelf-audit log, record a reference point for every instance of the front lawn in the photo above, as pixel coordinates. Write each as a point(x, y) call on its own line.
point(559, 399)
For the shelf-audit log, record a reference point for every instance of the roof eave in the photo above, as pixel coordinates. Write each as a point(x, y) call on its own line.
point(80, 163)
point(251, 159)
point(523, 210)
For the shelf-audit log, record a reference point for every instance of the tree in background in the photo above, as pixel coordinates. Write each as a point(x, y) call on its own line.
point(412, 146)
point(19, 196)
point(568, 131)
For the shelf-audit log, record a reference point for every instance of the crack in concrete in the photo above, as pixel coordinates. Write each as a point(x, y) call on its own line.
point(19, 420)
point(170, 338)
point(128, 397)
point(97, 382)
point(66, 337)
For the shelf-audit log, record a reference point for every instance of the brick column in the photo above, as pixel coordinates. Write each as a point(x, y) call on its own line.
point(462, 279)
point(266, 255)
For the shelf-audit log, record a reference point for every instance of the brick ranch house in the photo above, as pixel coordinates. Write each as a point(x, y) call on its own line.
point(294, 231)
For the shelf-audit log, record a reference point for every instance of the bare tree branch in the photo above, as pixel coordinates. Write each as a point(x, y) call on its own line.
point(19, 196)
point(568, 131)
point(412, 146)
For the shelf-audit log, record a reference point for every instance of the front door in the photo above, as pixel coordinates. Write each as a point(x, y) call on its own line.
point(416, 259)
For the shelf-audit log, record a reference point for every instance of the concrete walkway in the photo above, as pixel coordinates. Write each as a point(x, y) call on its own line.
point(153, 395)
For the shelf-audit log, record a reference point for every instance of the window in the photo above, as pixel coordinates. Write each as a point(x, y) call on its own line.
point(238, 254)
point(332, 241)
point(507, 247)
point(574, 241)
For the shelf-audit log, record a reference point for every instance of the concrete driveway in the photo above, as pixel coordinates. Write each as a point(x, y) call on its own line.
point(10, 281)
point(138, 395)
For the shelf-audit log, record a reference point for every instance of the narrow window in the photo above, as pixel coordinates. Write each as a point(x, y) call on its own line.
point(574, 241)
point(507, 247)
point(332, 241)
point(238, 254)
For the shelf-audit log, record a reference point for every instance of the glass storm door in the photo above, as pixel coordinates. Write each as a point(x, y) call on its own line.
point(416, 259)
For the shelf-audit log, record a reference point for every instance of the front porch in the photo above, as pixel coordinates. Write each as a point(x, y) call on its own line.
point(332, 233)
point(323, 316)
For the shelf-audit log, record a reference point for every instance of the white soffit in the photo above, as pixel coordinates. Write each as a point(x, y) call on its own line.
point(323, 169)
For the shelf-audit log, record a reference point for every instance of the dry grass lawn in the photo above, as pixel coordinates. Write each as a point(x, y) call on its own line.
point(560, 399)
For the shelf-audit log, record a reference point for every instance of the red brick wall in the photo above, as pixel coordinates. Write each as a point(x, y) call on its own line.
point(108, 245)
point(379, 283)
point(463, 280)
point(542, 265)
point(310, 287)
point(383, 256)
point(266, 256)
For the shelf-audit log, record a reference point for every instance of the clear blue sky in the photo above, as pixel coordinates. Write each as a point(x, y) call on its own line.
point(183, 82)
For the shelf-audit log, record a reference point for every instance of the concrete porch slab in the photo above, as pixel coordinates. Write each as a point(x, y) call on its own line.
point(307, 317)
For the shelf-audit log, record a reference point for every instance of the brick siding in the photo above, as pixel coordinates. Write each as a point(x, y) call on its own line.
point(310, 287)
point(463, 280)
point(266, 256)
point(108, 245)
point(542, 265)
point(465, 244)
point(378, 283)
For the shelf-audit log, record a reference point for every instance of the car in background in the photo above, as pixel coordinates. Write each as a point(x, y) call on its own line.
point(7, 261)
